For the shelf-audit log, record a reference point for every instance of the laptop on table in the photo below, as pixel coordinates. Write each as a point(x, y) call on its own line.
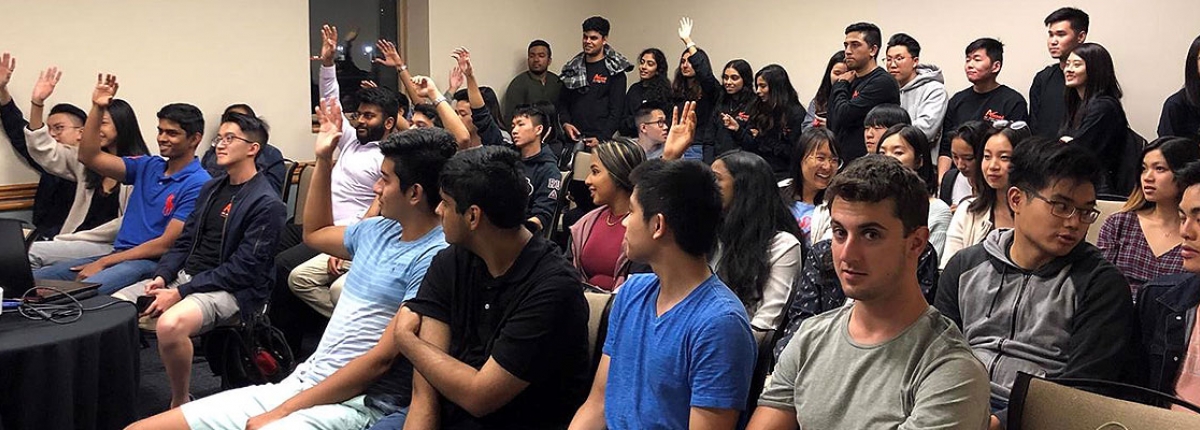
point(16, 276)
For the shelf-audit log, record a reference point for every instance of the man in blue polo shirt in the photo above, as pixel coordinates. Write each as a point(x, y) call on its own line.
point(164, 193)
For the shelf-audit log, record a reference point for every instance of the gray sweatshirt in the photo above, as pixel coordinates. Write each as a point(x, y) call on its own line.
point(925, 100)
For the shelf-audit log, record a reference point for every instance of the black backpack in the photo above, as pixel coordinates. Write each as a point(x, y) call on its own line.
point(252, 353)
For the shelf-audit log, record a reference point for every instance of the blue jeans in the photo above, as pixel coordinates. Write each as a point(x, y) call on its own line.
point(111, 279)
point(395, 421)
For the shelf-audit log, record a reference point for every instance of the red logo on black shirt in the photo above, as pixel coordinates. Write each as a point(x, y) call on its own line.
point(599, 79)
point(743, 117)
point(855, 94)
point(992, 115)
point(169, 206)
point(225, 210)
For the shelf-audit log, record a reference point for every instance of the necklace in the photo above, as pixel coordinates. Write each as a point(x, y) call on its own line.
point(609, 221)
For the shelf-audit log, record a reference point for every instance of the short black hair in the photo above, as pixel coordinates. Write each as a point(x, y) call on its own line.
point(919, 143)
point(542, 43)
point(993, 48)
point(1188, 175)
point(382, 98)
point(597, 24)
point(239, 106)
point(491, 178)
point(69, 109)
point(886, 115)
point(189, 117)
point(418, 155)
point(402, 101)
point(1079, 19)
point(871, 33)
point(1042, 162)
point(646, 109)
point(901, 39)
point(533, 113)
point(430, 112)
point(254, 128)
point(875, 178)
point(685, 193)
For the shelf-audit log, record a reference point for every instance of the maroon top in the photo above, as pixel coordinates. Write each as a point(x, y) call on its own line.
point(602, 249)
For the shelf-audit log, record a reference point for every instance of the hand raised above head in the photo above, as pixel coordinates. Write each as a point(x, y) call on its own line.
point(685, 29)
point(8, 64)
point(106, 89)
point(329, 116)
point(44, 87)
point(425, 87)
point(389, 56)
point(329, 37)
point(463, 57)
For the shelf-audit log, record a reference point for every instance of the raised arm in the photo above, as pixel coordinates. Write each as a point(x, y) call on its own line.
point(319, 231)
point(682, 133)
point(391, 58)
point(450, 119)
point(10, 115)
point(90, 154)
point(484, 119)
point(49, 155)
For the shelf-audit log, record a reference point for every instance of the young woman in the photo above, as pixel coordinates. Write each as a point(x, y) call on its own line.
point(1142, 239)
point(653, 87)
point(976, 217)
point(813, 166)
point(738, 80)
point(775, 120)
point(909, 145)
point(92, 224)
point(1095, 117)
point(695, 82)
point(959, 183)
point(596, 238)
point(1181, 111)
point(820, 102)
point(758, 253)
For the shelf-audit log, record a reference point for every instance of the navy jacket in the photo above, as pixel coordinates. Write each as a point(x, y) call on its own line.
point(247, 244)
point(1166, 312)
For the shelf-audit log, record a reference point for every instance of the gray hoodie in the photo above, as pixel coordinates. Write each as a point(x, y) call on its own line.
point(1070, 318)
point(925, 100)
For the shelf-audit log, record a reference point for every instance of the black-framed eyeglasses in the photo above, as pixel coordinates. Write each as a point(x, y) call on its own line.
point(229, 138)
point(61, 128)
point(660, 123)
point(1066, 211)
point(1002, 124)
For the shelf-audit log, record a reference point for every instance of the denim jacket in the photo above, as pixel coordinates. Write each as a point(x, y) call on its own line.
point(1167, 313)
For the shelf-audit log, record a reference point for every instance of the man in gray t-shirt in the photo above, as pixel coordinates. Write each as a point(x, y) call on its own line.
point(887, 360)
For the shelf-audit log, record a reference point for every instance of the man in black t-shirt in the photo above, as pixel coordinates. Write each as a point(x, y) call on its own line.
point(593, 93)
point(1066, 28)
point(855, 93)
point(220, 266)
point(986, 99)
point(497, 334)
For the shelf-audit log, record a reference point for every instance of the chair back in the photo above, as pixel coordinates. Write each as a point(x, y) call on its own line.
point(1106, 208)
point(302, 194)
point(1037, 403)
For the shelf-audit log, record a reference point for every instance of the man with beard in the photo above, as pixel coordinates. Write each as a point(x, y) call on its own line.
point(535, 85)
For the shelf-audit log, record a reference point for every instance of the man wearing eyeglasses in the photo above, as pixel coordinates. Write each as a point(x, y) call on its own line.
point(652, 129)
point(220, 265)
point(1036, 298)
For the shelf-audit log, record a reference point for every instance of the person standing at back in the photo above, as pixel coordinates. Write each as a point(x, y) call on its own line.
point(593, 92)
point(1066, 28)
point(534, 85)
point(855, 93)
point(986, 99)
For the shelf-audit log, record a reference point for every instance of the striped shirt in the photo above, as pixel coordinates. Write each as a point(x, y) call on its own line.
point(386, 272)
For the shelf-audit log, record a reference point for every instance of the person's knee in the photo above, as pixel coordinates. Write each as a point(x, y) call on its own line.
point(176, 325)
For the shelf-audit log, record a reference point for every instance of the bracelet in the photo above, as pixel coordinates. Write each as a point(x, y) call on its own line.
point(36, 104)
point(403, 67)
point(441, 98)
point(690, 45)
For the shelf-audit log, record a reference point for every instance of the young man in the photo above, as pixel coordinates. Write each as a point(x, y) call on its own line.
point(165, 189)
point(878, 120)
point(1166, 309)
point(887, 339)
point(1066, 28)
point(652, 129)
point(593, 92)
point(54, 196)
point(679, 351)
point(986, 99)
point(220, 265)
point(540, 166)
point(1037, 298)
point(922, 88)
point(392, 252)
point(269, 159)
point(865, 86)
point(535, 85)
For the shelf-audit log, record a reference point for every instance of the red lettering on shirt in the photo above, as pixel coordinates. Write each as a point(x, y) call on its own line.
point(169, 206)
point(599, 79)
point(992, 115)
point(743, 117)
point(225, 210)
point(855, 95)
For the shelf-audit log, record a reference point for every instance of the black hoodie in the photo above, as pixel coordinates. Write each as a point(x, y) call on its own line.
point(544, 182)
point(848, 107)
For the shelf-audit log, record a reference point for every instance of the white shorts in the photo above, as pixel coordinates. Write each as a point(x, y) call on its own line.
point(231, 409)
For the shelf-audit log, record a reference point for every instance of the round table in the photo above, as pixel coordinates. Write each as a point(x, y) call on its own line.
point(81, 375)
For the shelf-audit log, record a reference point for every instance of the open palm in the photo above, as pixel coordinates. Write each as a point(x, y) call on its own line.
point(329, 116)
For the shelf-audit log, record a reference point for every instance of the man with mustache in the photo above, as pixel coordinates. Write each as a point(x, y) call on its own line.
point(1036, 298)
point(534, 85)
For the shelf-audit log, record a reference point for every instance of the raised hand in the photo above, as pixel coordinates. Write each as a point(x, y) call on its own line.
point(456, 78)
point(368, 84)
point(329, 115)
point(463, 57)
point(45, 84)
point(685, 30)
point(106, 89)
point(389, 56)
point(683, 130)
point(425, 87)
point(8, 64)
point(329, 36)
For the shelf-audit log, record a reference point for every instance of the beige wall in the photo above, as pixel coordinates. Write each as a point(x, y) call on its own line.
point(211, 53)
point(1148, 39)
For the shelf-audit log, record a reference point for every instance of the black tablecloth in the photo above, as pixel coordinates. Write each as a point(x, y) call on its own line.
point(82, 375)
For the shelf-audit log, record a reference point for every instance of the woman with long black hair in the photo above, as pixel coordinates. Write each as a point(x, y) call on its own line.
point(695, 82)
point(775, 120)
point(758, 253)
point(1095, 117)
point(95, 216)
point(820, 102)
point(737, 79)
point(653, 87)
point(1181, 112)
